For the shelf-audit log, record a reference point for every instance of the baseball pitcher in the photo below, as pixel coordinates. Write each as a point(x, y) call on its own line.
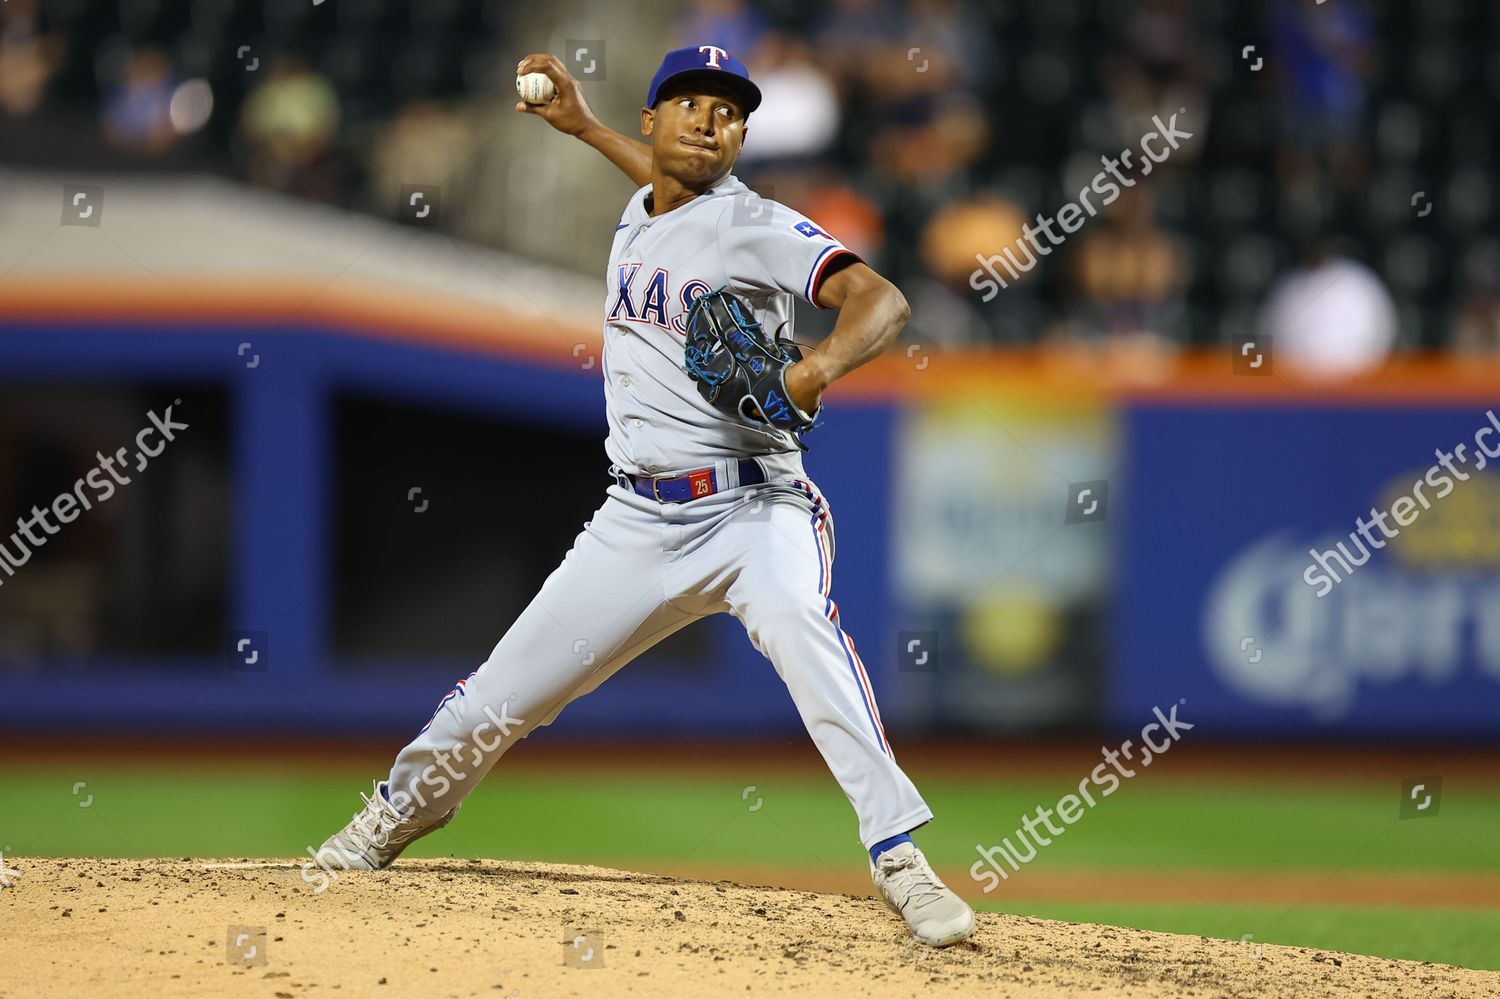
point(711, 510)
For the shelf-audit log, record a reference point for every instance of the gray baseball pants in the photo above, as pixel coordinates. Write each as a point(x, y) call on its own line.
point(641, 570)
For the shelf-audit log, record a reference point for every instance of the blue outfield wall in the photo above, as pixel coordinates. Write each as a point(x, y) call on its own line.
point(280, 545)
point(1213, 604)
point(1213, 509)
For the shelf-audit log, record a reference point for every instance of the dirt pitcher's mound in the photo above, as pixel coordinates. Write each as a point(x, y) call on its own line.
point(481, 928)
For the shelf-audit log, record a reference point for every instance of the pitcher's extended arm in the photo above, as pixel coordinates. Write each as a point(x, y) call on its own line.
point(570, 114)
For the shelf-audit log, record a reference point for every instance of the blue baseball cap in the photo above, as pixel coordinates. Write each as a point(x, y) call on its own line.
point(705, 59)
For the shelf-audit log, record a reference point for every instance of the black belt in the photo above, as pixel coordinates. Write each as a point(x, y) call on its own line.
point(692, 485)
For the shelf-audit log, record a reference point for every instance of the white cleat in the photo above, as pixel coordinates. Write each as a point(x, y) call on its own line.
point(936, 915)
point(376, 835)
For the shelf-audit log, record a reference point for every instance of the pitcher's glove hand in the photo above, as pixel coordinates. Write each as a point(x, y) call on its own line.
point(739, 369)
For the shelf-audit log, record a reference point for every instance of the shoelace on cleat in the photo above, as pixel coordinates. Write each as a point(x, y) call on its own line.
point(913, 877)
point(370, 823)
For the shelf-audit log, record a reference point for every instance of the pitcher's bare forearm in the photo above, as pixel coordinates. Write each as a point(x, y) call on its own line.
point(872, 313)
point(868, 323)
point(631, 156)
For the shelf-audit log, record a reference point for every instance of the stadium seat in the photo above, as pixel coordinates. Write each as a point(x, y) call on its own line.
point(1468, 202)
point(432, 16)
point(1410, 264)
point(1236, 198)
point(1436, 72)
point(352, 62)
point(1402, 131)
point(426, 67)
point(365, 15)
point(1053, 20)
point(1481, 261)
point(1247, 265)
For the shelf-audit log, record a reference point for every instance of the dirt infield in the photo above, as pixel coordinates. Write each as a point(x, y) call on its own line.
point(483, 928)
point(1419, 889)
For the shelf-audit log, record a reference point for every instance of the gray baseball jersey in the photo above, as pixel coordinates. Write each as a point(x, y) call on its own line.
point(763, 251)
point(641, 569)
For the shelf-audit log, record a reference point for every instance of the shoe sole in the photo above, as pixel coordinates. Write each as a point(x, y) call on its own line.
point(958, 936)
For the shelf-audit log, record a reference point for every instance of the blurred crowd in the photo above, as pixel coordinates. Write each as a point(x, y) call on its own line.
point(1337, 191)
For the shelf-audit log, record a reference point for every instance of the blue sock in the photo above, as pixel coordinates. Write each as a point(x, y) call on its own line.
point(886, 844)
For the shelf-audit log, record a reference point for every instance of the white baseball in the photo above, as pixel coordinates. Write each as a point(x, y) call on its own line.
point(535, 88)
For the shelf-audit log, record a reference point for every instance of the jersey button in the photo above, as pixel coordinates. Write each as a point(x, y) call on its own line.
point(639, 423)
point(625, 381)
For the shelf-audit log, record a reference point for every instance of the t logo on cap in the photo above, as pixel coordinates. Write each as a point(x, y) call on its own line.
point(704, 60)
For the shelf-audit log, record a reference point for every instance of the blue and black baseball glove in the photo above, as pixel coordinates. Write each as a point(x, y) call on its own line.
point(739, 369)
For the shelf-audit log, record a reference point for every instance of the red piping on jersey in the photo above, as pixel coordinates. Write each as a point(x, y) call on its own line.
point(821, 267)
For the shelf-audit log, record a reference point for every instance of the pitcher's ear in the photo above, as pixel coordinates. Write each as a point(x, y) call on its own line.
point(648, 117)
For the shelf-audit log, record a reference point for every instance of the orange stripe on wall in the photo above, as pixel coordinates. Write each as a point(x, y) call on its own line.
point(359, 311)
point(1202, 376)
point(907, 371)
